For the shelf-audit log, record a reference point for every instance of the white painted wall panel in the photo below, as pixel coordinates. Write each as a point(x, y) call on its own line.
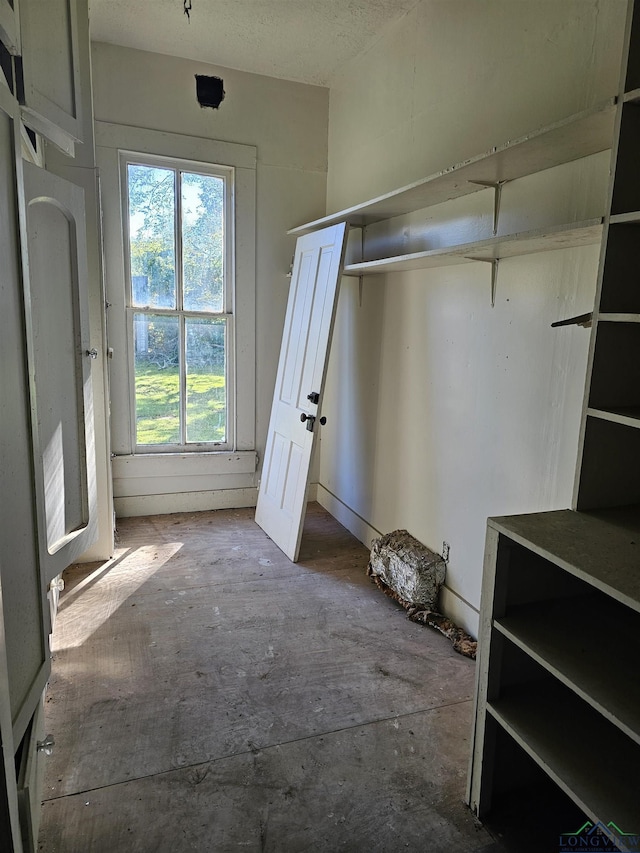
point(442, 410)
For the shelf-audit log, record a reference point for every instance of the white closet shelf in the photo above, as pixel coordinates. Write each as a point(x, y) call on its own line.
point(579, 135)
point(508, 246)
point(568, 739)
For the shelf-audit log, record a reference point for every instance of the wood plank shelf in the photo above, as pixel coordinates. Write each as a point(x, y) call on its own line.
point(588, 643)
point(579, 135)
point(589, 759)
point(622, 218)
point(610, 317)
point(600, 548)
point(495, 248)
point(625, 415)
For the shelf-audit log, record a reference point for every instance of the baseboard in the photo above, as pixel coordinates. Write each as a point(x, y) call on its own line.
point(456, 608)
point(459, 611)
point(185, 502)
point(363, 531)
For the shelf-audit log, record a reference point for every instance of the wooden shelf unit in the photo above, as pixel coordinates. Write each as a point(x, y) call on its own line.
point(557, 669)
point(561, 610)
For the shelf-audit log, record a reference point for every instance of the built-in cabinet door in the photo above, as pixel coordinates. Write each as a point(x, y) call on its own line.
point(50, 70)
point(30, 779)
point(24, 621)
point(23, 591)
point(9, 28)
point(60, 352)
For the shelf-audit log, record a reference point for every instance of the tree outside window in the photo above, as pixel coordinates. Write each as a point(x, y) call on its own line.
point(179, 304)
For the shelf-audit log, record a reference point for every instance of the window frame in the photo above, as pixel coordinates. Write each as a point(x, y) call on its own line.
point(157, 482)
point(178, 166)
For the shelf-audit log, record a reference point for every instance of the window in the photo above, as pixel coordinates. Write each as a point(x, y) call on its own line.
point(199, 470)
point(179, 260)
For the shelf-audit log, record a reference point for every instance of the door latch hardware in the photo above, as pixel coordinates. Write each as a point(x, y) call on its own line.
point(310, 419)
point(92, 353)
point(46, 745)
point(314, 397)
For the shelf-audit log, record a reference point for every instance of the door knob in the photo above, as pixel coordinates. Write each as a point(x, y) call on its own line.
point(310, 419)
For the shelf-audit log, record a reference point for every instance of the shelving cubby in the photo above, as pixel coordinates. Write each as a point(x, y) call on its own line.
point(609, 461)
point(610, 471)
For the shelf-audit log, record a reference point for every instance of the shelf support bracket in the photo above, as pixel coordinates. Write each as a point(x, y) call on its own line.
point(362, 229)
point(494, 274)
point(496, 186)
point(583, 320)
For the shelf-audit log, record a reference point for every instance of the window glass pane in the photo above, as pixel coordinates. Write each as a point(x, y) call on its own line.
point(202, 242)
point(152, 236)
point(206, 379)
point(156, 348)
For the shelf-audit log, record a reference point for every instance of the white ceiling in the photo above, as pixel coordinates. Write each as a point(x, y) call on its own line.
point(304, 40)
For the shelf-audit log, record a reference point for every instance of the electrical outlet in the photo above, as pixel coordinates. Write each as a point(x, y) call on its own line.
point(445, 551)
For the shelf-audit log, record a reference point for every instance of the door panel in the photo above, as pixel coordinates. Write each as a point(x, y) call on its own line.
point(31, 781)
point(301, 370)
point(60, 363)
point(50, 67)
point(24, 664)
point(9, 28)
point(52, 247)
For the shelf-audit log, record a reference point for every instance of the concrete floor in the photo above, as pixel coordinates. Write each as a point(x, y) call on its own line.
point(207, 694)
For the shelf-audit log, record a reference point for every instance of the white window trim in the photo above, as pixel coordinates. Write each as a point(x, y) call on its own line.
point(228, 312)
point(111, 140)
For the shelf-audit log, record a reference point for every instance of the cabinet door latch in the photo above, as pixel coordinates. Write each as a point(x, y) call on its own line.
point(46, 745)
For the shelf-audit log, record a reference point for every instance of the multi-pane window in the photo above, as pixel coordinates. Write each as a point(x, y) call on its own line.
point(179, 303)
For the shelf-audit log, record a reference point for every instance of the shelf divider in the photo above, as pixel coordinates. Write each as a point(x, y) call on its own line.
point(625, 415)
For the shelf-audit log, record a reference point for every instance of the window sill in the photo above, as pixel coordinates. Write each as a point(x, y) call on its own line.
point(184, 464)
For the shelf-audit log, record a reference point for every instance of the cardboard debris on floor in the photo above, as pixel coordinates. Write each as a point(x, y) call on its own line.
point(412, 574)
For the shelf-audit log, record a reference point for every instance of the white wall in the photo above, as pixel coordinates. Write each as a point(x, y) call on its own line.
point(288, 124)
point(443, 410)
